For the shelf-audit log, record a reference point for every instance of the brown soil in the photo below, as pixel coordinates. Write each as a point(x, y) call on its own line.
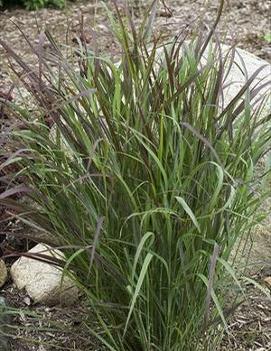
point(43, 328)
point(245, 22)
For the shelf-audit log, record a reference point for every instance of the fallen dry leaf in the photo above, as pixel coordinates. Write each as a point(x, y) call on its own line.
point(267, 280)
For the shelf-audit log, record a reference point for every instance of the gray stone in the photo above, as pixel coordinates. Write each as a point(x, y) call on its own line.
point(3, 273)
point(244, 66)
point(45, 283)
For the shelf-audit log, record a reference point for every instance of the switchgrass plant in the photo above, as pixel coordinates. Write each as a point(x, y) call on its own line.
point(147, 179)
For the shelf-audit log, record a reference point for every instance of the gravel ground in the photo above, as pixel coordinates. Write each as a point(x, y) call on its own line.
point(245, 23)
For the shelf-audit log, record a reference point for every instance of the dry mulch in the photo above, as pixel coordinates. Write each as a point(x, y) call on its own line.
point(44, 328)
point(245, 23)
point(250, 325)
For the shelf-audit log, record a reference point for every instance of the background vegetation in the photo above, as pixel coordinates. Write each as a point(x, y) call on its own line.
point(33, 4)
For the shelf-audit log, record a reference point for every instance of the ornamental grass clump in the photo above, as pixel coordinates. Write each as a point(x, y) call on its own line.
point(147, 179)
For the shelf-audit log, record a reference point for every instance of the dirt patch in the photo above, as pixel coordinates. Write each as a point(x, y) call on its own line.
point(43, 328)
point(244, 23)
point(249, 328)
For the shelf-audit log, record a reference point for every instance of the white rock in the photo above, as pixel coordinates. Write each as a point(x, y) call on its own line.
point(44, 282)
point(3, 273)
point(245, 61)
point(243, 67)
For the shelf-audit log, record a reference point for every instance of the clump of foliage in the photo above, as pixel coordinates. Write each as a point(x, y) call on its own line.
point(148, 179)
point(267, 37)
point(33, 4)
